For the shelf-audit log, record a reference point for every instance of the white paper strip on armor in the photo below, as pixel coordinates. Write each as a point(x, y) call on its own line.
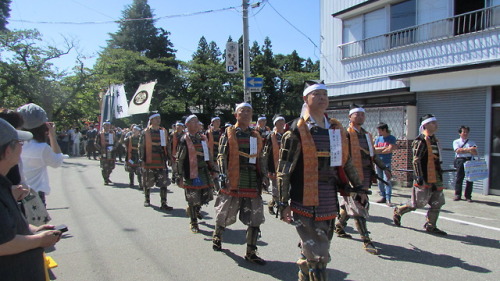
point(163, 141)
point(370, 145)
point(206, 154)
point(110, 139)
point(335, 148)
point(253, 150)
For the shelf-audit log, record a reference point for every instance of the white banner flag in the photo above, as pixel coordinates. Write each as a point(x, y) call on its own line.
point(120, 104)
point(142, 99)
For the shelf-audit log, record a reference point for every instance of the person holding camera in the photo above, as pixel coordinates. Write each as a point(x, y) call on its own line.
point(37, 154)
point(464, 149)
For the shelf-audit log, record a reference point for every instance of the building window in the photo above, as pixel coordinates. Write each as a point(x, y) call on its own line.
point(403, 20)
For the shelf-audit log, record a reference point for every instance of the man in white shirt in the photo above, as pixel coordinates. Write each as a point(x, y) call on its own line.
point(464, 150)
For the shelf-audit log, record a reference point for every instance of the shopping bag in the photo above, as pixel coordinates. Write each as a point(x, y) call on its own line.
point(475, 170)
point(35, 210)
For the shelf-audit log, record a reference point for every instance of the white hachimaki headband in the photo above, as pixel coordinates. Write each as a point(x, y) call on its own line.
point(357, 109)
point(243, 104)
point(313, 87)
point(154, 115)
point(179, 124)
point(215, 118)
point(190, 117)
point(278, 119)
point(428, 120)
point(262, 118)
point(106, 123)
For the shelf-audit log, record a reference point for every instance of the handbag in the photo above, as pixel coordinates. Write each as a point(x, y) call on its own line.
point(475, 170)
point(35, 210)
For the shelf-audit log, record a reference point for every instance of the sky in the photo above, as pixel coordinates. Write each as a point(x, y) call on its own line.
point(290, 24)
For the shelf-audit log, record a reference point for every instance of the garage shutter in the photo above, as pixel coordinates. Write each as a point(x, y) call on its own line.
point(453, 109)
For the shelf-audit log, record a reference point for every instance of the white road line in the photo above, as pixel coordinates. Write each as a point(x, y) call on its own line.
point(446, 218)
point(463, 222)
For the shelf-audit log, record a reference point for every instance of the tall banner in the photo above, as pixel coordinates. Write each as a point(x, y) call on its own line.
point(120, 104)
point(142, 99)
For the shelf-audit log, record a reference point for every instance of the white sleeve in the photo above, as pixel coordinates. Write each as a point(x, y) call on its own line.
point(52, 159)
point(456, 145)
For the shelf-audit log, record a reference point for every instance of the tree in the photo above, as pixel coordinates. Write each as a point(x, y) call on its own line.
point(26, 73)
point(138, 33)
point(4, 14)
point(207, 78)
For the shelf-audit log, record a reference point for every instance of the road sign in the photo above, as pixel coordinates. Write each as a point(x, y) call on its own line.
point(254, 82)
point(232, 57)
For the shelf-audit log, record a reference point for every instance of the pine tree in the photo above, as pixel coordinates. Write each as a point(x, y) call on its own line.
point(4, 14)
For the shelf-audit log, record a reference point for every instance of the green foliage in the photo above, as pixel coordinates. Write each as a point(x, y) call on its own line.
point(4, 14)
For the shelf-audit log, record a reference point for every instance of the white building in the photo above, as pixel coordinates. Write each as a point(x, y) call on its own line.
point(403, 59)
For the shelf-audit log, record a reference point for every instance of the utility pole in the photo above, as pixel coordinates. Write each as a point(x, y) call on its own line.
point(247, 96)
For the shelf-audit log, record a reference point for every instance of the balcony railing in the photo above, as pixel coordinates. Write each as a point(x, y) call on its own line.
point(462, 24)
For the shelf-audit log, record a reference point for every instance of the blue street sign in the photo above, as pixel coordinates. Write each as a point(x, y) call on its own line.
point(254, 82)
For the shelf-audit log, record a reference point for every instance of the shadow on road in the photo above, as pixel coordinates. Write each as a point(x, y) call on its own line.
point(416, 255)
point(278, 270)
point(475, 240)
point(489, 203)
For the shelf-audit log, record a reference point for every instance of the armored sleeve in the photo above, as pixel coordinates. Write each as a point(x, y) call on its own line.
point(169, 147)
point(419, 149)
point(267, 155)
point(141, 149)
point(98, 142)
point(223, 154)
point(288, 156)
point(180, 157)
point(352, 173)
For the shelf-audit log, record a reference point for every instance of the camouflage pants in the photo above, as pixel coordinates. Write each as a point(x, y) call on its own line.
point(152, 177)
point(356, 206)
point(198, 197)
point(314, 238)
point(227, 207)
point(158, 177)
point(420, 197)
point(107, 166)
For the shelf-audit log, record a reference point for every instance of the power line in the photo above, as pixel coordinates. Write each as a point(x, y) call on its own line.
point(305, 35)
point(127, 20)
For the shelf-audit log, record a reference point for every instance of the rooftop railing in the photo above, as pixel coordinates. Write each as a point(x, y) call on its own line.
point(475, 21)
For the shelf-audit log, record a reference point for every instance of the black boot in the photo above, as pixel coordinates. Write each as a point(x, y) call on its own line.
point(139, 179)
point(217, 238)
point(131, 178)
point(147, 201)
point(251, 255)
point(191, 211)
point(163, 198)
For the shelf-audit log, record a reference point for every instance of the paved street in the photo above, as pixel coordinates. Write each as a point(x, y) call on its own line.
point(113, 237)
